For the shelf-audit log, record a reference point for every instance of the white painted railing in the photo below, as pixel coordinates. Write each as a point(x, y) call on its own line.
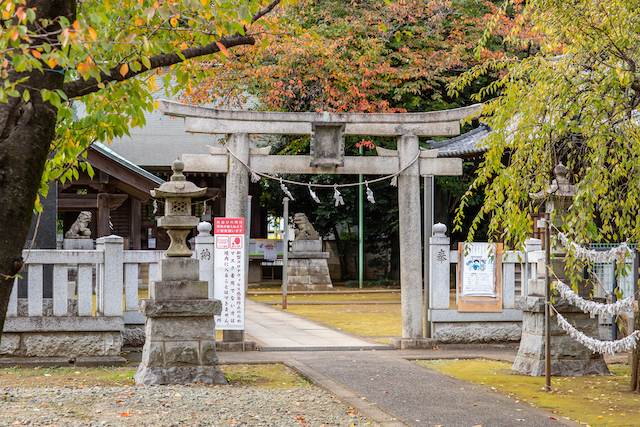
point(441, 259)
point(36, 259)
point(117, 276)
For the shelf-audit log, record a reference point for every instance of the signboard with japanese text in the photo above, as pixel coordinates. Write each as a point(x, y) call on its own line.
point(264, 247)
point(229, 274)
point(479, 277)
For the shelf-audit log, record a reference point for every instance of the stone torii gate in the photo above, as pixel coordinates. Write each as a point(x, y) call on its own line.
point(327, 157)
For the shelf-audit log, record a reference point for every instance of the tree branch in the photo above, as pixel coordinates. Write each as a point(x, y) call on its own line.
point(259, 14)
point(81, 87)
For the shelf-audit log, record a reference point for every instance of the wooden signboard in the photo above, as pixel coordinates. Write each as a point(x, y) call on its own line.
point(479, 286)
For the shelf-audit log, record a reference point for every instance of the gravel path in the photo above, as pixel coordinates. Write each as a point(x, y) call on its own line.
point(196, 405)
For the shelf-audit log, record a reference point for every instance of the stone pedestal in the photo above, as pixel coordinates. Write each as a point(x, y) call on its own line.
point(77, 244)
point(568, 356)
point(180, 345)
point(307, 267)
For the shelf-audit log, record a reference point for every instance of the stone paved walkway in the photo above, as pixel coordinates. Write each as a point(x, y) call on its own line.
point(384, 385)
point(277, 330)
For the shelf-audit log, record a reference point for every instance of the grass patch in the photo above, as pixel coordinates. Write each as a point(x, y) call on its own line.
point(267, 376)
point(343, 298)
point(359, 319)
point(593, 400)
point(373, 284)
point(365, 320)
point(66, 377)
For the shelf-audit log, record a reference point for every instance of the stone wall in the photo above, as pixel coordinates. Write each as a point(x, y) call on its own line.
point(465, 333)
point(60, 344)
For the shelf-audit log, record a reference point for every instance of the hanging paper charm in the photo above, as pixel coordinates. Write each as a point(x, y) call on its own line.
point(369, 193)
point(394, 181)
point(155, 206)
point(313, 194)
point(285, 190)
point(592, 307)
point(618, 253)
point(607, 347)
point(254, 176)
point(337, 196)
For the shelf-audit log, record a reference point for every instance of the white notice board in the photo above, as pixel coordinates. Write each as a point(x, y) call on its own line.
point(229, 275)
point(479, 277)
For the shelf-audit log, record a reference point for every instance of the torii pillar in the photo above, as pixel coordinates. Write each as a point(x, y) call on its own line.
point(408, 159)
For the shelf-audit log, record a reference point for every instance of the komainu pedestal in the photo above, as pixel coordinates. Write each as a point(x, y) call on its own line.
point(568, 356)
point(180, 345)
point(307, 268)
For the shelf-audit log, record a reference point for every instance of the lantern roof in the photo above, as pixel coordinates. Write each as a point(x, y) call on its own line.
point(178, 186)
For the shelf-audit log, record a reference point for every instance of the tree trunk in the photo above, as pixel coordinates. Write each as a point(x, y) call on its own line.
point(635, 364)
point(26, 132)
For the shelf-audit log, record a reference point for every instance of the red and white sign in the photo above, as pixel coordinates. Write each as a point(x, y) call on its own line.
point(228, 226)
point(229, 275)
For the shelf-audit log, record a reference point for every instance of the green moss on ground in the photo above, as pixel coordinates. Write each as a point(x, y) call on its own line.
point(591, 400)
point(369, 320)
point(267, 375)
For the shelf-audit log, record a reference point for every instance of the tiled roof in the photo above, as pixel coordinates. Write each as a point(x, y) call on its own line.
point(109, 153)
point(463, 145)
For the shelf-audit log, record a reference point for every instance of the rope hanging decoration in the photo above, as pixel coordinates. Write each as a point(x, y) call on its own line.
point(338, 197)
point(628, 304)
point(285, 190)
point(369, 193)
point(313, 194)
point(592, 307)
point(607, 347)
point(255, 177)
point(618, 253)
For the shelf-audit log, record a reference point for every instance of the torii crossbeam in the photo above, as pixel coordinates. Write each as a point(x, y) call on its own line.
point(408, 159)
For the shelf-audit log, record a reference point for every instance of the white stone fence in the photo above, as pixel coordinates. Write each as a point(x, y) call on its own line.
point(451, 325)
point(67, 324)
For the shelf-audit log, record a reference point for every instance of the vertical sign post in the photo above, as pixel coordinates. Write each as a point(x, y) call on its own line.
point(229, 277)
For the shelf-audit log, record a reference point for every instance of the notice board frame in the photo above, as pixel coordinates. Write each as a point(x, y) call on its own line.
point(480, 304)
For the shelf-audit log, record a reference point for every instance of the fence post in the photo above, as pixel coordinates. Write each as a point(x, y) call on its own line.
point(530, 269)
point(439, 268)
point(204, 253)
point(112, 280)
point(12, 309)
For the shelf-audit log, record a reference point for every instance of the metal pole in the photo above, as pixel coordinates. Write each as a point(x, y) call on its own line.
point(547, 306)
point(360, 228)
point(636, 271)
point(614, 298)
point(285, 253)
point(428, 232)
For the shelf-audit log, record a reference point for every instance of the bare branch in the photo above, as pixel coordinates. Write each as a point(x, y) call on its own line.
point(264, 11)
point(81, 87)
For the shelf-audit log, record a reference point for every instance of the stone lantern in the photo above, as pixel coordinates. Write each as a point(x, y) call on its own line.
point(180, 345)
point(177, 219)
point(559, 194)
point(568, 357)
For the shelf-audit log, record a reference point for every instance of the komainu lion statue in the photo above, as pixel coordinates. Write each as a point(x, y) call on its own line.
point(80, 228)
point(304, 230)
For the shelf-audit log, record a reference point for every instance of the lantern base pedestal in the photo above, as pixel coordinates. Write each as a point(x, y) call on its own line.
point(180, 336)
